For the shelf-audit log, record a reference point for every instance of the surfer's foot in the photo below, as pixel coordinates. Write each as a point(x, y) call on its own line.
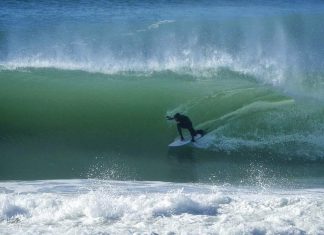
point(193, 140)
point(182, 139)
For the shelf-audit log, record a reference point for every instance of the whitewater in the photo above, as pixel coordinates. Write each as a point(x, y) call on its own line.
point(84, 91)
point(123, 207)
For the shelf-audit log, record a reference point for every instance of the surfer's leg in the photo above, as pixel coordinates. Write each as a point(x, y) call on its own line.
point(192, 133)
point(180, 131)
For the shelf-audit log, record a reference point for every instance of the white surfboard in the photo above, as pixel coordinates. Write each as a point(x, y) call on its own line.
point(178, 142)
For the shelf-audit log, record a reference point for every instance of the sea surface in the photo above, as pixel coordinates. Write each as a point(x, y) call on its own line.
point(84, 90)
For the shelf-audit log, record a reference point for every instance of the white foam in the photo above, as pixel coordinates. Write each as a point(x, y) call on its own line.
point(51, 207)
point(185, 61)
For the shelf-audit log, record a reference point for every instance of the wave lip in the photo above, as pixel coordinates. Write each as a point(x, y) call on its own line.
point(111, 65)
point(184, 61)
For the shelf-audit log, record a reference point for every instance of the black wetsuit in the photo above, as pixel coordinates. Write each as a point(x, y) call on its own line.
point(184, 122)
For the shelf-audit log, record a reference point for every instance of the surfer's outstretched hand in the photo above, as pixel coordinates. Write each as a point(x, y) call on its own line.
point(169, 118)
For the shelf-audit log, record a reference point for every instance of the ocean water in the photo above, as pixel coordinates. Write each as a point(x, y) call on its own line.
point(84, 91)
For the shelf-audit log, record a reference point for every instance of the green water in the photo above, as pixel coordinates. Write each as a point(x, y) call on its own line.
point(72, 124)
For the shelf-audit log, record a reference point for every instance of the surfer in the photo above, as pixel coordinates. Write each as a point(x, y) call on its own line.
point(184, 122)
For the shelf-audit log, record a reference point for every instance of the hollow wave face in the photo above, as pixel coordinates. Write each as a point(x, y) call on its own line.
point(114, 126)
